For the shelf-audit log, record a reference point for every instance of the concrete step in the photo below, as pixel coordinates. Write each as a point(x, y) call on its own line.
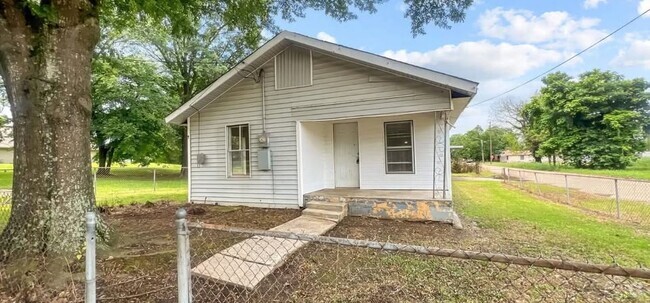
point(324, 214)
point(340, 207)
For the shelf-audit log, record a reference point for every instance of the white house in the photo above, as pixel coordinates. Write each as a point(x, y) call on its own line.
point(301, 121)
point(509, 156)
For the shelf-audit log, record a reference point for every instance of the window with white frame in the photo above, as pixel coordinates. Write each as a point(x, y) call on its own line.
point(238, 150)
point(399, 147)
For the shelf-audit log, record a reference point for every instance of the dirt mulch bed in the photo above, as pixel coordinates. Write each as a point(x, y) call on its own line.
point(139, 262)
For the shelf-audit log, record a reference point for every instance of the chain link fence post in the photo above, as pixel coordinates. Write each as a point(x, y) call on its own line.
point(618, 201)
point(566, 187)
point(521, 180)
point(90, 258)
point(183, 257)
point(95, 182)
point(539, 190)
point(154, 180)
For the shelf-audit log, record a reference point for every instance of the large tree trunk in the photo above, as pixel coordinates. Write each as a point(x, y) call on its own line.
point(102, 153)
point(184, 151)
point(104, 157)
point(46, 68)
point(109, 158)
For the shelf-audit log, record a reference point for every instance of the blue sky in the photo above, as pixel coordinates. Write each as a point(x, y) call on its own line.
point(501, 43)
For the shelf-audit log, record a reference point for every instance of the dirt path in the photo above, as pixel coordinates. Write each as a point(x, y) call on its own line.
point(631, 190)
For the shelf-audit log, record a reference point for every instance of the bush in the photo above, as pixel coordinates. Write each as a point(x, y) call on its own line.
point(460, 167)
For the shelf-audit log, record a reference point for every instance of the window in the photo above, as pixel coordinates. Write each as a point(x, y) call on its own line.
point(521, 158)
point(238, 150)
point(293, 68)
point(399, 147)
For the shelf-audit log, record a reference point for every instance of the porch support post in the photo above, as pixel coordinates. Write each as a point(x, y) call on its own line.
point(435, 142)
point(444, 161)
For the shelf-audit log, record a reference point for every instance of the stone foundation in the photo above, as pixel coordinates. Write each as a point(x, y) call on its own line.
point(393, 207)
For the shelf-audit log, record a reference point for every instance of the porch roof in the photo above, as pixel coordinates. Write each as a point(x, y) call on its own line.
point(461, 89)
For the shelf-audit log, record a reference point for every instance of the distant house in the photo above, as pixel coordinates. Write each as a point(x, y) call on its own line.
point(302, 119)
point(508, 156)
point(6, 146)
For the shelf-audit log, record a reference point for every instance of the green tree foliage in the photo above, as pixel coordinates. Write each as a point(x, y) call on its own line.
point(46, 49)
point(192, 59)
point(129, 104)
point(501, 138)
point(594, 121)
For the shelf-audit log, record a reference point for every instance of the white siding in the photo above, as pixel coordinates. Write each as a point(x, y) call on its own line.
point(340, 90)
point(293, 68)
point(317, 157)
point(7, 155)
point(372, 154)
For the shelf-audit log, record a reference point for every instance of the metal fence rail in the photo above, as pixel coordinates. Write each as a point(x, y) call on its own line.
point(619, 198)
point(117, 186)
point(229, 264)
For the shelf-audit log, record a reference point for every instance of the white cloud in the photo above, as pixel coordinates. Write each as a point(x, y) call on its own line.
point(644, 5)
point(592, 3)
point(552, 29)
point(481, 60)
point(326, 37)
point(635, 54)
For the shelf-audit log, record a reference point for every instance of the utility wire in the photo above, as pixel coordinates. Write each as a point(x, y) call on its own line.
point(563, 62)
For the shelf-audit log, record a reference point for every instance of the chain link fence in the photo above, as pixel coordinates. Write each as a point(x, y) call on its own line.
point(117, 186)
point(624, 199)
point(6, 178)
point(226, 264)
point(127, 185)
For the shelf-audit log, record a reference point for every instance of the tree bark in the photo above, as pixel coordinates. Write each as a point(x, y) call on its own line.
point(184, 151)
point(101, 155)
point(46, 65)
point(109, 158)
point(105, 158)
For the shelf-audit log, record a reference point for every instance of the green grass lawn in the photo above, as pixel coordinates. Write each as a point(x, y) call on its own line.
point(557, 228)
point(126, 185)
point(637, 212)
point(129, 184)
point(123, 186)
point(638, 170)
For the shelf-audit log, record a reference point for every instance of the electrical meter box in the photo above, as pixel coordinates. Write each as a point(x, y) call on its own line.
point(264, 159)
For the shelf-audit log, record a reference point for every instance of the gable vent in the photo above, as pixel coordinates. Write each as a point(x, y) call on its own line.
point(293, 68)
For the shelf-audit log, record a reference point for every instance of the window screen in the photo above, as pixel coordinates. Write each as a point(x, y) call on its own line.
point(238, 150)
point(399, 147)
point(293, 68)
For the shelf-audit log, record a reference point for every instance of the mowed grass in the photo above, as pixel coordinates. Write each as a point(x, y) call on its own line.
point(628, 210)
point(557, 227)
point(638, 170)
point(129, 184)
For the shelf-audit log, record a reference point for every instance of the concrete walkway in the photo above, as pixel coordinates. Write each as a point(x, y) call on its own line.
point(248, 262)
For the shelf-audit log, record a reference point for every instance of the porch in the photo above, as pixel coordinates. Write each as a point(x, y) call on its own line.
point(413, 205)
point(391, 154)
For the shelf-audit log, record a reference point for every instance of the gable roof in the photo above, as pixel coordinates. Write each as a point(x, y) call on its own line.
point(459, 87)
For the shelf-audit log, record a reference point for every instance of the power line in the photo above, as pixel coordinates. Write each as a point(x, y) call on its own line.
point(563, 62)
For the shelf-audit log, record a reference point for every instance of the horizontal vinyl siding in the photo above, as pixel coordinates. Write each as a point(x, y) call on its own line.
point(372, 154)
point(339, 90)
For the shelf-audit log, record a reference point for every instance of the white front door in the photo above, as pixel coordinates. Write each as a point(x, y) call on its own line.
point(346, 154)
